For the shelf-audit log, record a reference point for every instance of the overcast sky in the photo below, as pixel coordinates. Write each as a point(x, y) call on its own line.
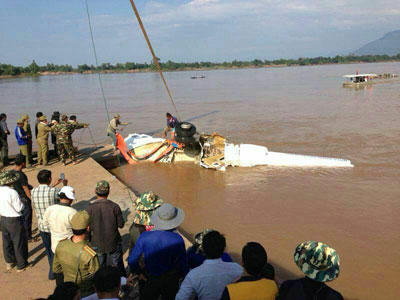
point(190, 30)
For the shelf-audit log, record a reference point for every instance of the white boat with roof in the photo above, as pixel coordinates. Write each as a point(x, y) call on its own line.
point(357, 80)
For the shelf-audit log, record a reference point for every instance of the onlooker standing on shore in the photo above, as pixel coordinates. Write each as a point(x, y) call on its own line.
point(23, 188)
point(113, 127)
point(107, 284)
point(145, 205)
point(107, 218)
point(254, 285)
point(55, 117)
point(58, 217)
point(43, 140)
point(74, 259)
point(22, 139)
point(44, 196)
point(209, 280)
point(38, 115)
point(28, 130)
point(320, 263)
point(4, 133)
point(195, 253)
point(164, 255)
point(15, 246)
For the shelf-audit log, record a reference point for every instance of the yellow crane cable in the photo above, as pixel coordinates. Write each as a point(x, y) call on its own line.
point(154, 55)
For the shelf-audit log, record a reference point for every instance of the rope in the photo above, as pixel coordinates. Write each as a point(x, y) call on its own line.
point(154, 56)
point(102, 91)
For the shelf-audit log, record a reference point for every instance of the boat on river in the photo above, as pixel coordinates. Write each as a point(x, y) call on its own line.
point(198, 77)
point(359, 80)
point(213, 151)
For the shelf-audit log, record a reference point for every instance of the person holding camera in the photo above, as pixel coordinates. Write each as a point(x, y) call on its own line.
point(43, 196)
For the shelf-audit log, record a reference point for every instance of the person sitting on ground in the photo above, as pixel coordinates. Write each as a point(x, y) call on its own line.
point(58, 217)
point(23, 188)
point(164, 255)
point(209, 280)
point(171, 124)
point(254, 285)
point(145, 205)
point(105, 236)
point(22, 140)
point(66, 291)
point(113, 127)
point(195, 253)
point(15, 245)
point(75, 260)
point(44, 196)
point(107, 284)
point(320, 263)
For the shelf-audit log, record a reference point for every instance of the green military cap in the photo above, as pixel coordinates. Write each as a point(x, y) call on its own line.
point(20, 121)
point(7, 177)
point(145, 206)
point(102, 187)
point(117, 116)
point(43, 118)
point(25, 117)
point(64, 117)
point(81, 220)
point(317, 261)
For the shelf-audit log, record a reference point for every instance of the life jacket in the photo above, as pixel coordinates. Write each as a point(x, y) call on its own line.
point(263, 289)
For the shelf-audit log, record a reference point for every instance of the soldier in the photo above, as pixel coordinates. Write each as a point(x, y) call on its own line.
point(28, 131)
point(74, 259)
point(43, 140)
point(63, 131)
point(73, 120)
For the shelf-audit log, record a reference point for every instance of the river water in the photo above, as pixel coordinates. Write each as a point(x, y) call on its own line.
point(300, 110)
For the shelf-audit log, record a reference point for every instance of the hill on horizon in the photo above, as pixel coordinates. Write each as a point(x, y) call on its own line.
point(389, 44)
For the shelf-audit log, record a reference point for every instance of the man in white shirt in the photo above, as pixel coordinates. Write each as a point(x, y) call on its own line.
point(208, 281)
point(15, 244)
point(58, 217)
point(43, 197)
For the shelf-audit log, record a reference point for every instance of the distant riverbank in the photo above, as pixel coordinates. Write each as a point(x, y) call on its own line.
point(10, 71)
point(149, 70)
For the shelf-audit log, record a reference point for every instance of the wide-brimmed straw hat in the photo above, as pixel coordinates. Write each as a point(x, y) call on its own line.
point(145, 206)
point(8, 177)
point(317, 261)
point(167, 217)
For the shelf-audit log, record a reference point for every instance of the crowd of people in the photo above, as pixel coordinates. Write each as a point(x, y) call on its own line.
point(85, 249)
point(60, 128)
point(85, 253)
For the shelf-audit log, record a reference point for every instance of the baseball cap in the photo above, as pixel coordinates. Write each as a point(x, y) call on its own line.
point(68, 191)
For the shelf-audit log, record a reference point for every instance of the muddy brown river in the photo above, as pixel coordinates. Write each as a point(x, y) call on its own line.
point(300, 110)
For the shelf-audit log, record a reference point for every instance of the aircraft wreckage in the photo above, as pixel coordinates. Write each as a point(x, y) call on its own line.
point(212, 151)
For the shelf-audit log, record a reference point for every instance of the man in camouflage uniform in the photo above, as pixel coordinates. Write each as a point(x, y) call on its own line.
point(64, 130)
point(28, 131)
point(75, 260)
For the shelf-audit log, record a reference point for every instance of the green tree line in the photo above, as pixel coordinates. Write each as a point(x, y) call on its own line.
point(34, 68)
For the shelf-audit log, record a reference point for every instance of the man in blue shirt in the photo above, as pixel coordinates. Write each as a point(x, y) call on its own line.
point(22, 139)
point(171, 124)
point(164, 255)
point(209, 280)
